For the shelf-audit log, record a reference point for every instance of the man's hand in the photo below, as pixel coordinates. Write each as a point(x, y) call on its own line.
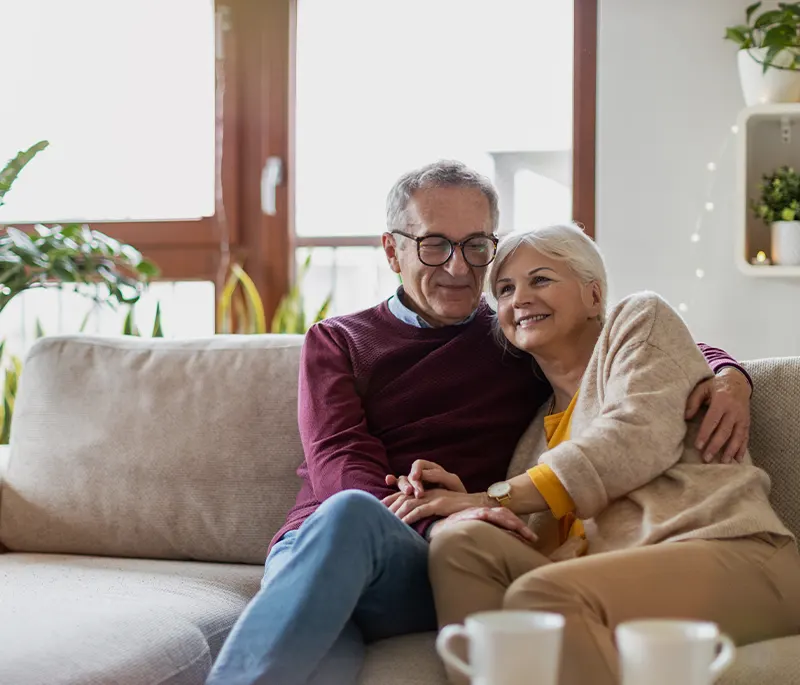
point(498, 516)
point(438, 502)
point(425, 472)
point(727, 422)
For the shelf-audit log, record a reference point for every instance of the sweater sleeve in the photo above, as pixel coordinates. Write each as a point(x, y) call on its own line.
point(639, 429)
point(719, 359)
point(341, 453)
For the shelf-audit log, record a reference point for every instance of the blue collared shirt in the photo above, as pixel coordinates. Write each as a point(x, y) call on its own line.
point(405, 315)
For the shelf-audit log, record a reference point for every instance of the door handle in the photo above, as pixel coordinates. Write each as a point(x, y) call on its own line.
point(271, 178)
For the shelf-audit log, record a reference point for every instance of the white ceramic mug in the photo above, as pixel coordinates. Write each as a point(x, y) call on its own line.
point(507, 647)
point(665, 652)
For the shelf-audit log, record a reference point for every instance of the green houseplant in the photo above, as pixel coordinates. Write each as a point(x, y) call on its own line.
point(769, 53)
point(240, 309)
point(52, 256)
point(778, 206)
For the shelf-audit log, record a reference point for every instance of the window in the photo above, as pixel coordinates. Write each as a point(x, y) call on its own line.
point(148, 146)
point(127, 103)
point(385, 87)
point(187, 311)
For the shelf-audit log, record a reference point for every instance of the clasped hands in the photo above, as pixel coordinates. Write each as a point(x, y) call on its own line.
point(429, 490)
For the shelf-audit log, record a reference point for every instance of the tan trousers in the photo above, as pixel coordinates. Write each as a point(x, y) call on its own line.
point(749, 586)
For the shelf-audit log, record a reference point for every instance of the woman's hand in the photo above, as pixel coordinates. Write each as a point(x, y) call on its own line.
point(424, 473)
point(437, 502)
point(497, 516)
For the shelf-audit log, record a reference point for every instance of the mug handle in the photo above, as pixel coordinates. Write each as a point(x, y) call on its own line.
point(443, 640)
point(725, 657)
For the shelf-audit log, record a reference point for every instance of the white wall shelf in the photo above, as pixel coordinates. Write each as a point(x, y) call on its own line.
point(769, 137)
point(769, 270)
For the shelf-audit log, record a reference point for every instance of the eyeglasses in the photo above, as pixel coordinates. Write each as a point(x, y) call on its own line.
point(436, 250)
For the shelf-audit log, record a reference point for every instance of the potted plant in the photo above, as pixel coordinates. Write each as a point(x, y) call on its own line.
point(51, 256)
point(779, 208)
point(769, 53)
point(74, 253)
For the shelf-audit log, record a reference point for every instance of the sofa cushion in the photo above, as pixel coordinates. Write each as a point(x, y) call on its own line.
point(406, 660)
point(153, 448)
point(70, 620)
point(775, 438)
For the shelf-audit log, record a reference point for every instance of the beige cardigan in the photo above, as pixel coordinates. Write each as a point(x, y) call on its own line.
point(629, 465)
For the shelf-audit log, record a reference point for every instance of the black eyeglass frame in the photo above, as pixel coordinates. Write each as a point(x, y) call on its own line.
point(453, 245)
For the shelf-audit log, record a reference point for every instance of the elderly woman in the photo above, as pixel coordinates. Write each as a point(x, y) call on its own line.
point(632, 523)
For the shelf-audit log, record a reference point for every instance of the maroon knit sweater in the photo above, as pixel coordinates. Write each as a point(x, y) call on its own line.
point(376, 393)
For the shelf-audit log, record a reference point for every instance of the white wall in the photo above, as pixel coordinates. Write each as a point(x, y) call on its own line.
point(668, 94)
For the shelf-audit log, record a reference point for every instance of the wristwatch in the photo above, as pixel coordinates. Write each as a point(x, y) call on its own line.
point(500, 492)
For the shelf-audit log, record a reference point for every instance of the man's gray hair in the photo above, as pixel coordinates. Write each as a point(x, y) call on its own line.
point(444, 173)
point(564, 242)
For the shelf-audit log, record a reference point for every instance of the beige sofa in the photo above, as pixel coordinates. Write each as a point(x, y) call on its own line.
point(145, 479)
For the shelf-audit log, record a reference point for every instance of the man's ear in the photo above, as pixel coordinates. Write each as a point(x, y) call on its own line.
point(390, 248)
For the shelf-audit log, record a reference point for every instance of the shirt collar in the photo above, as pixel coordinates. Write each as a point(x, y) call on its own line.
point(410, 317)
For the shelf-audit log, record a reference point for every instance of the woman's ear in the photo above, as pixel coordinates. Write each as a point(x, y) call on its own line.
point(595, 299)
point(597, 295)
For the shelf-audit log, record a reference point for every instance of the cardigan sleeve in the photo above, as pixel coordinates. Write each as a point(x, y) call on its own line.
point(639, 429)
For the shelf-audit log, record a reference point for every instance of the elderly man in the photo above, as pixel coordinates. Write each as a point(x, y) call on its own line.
point(417, 378)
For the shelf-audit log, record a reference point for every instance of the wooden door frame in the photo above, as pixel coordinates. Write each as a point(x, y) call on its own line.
point(584, 115)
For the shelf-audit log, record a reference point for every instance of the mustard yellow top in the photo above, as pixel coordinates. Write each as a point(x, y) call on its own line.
point(557, 430)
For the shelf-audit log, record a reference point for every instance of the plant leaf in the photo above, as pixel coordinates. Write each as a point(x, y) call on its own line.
point(22, 241)
point(158, 331)
point(85, 321)
point(12, 169)
point(768, 18)
point(751, 9)
point(323, 310)
point(225, 305)
point(244, 322)
point(5, 432)
point(255, 306)
point(781, 36)
point(736, 35)
point(147, 268)
point(129, 327)
point(772, 53)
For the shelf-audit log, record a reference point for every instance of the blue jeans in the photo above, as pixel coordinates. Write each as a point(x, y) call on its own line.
point(353, 573)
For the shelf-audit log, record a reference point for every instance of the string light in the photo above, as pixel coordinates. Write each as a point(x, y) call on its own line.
point(707, 208)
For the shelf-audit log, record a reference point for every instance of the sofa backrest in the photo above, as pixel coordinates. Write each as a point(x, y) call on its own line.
point(153, 448)
point(188, 449)
point(775, 436)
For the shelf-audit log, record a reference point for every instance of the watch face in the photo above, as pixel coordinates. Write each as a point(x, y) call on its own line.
point(499, 489)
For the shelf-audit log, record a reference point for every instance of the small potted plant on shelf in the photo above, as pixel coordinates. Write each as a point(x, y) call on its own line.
point(769, 53)
point(779, 208)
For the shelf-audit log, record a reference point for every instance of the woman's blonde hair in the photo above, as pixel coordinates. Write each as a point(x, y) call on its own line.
point(564, 242)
